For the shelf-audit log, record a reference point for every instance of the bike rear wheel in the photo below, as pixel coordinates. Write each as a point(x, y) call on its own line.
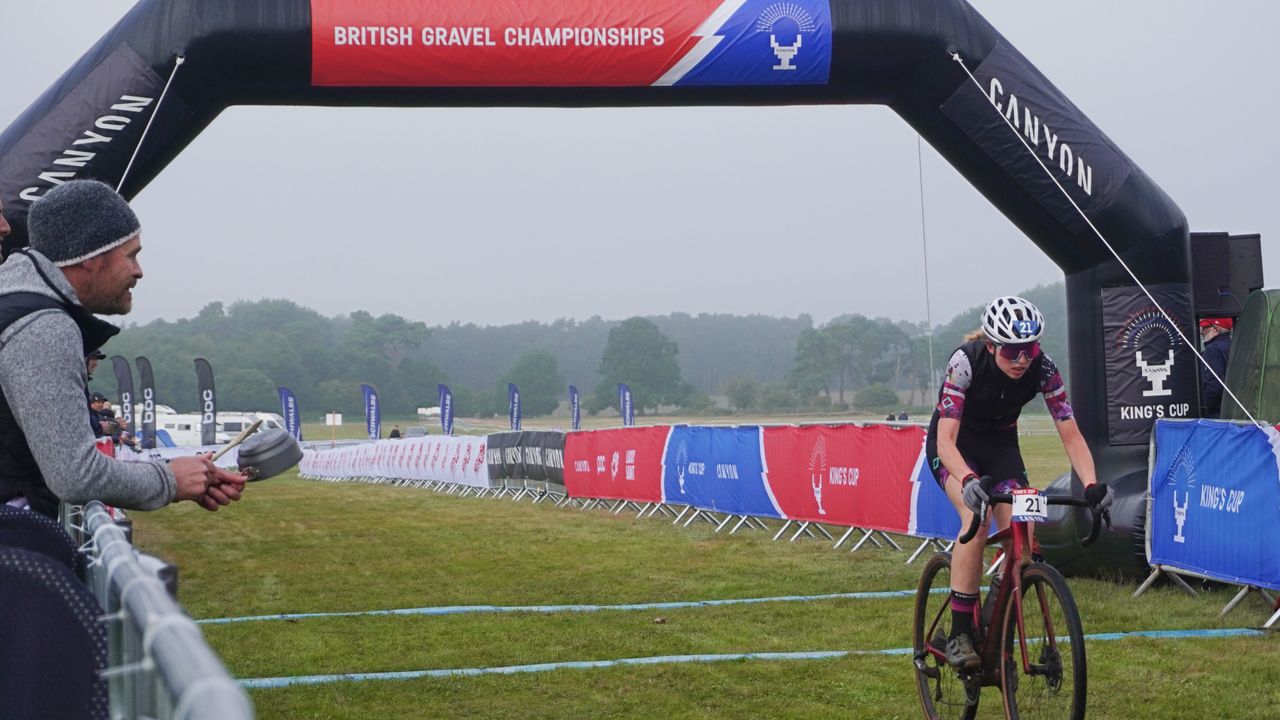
point(1056, 684)
point(942, 692)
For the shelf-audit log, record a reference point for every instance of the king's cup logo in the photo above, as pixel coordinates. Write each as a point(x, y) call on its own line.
point(788, 21)
point(818, 470)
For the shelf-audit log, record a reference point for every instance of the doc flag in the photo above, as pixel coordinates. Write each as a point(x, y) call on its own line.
point(624, 405)
point(446, 409)
point(513, 405)
point(124, 386)
point(575, 408)
point(208, 405)
point(372, 413)
point(147, 427)
point(1215, 499)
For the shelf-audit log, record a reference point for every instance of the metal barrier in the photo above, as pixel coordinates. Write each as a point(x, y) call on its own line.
point(159, 664)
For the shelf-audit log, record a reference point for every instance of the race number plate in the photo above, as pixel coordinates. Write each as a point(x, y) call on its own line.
point(1029, 505)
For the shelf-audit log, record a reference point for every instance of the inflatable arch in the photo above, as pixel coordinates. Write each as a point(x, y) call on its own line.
point(937, 63)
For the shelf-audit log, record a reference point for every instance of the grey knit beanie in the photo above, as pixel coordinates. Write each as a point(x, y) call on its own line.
point(78, 220)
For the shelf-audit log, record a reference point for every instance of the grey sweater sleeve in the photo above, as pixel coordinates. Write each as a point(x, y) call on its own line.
point(42, 372)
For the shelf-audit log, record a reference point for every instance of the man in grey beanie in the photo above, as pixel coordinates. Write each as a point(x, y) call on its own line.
point(83, 259)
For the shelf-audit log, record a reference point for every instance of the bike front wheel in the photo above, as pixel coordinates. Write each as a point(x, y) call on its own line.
point(943, 693)
point(1050, 681)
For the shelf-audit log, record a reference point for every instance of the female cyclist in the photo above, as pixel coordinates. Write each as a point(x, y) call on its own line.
point(974, 431)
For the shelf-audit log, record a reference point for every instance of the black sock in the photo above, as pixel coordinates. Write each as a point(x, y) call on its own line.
point(962, 605)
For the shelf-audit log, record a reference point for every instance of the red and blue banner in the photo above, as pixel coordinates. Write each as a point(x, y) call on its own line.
point(570, 43)
point(719, 469)
point(618, 464)
point(1215, 501)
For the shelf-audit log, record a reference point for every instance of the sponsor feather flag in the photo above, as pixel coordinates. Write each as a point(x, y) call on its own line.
point(289, 410)
point(372, 413)
point(624, 405)
point(124, 387)
point(446, 409)
point(513, 405)
point(208, 403)
point(575, 408)
point(148, 381)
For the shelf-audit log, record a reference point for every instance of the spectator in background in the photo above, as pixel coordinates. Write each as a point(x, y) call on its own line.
point(1216, 334)
point(890, 417)
point(395, 433)
point(83, 260)
point(91, 361)
point(97, 408)
point(902, 416)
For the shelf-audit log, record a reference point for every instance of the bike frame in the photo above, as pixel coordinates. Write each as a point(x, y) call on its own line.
point(1014, 541)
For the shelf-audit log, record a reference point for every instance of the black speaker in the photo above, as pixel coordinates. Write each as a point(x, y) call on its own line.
point(1224, 270)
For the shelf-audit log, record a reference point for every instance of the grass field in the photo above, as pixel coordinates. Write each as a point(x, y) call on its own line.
point(296, 546)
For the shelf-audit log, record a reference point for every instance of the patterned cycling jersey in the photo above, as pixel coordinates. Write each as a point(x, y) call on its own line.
point(979, 394)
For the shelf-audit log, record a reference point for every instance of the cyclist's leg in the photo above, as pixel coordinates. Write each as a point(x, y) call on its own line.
point(966, 562)
point(1003, 459)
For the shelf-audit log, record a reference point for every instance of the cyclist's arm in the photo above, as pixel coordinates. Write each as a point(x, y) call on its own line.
point(950, 409)
point(1055, 398)
point(952, 460)
point(1077, 450)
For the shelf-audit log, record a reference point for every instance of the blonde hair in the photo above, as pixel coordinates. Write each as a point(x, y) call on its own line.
point(975, 335)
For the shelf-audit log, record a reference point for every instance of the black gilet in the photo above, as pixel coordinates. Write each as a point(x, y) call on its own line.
point(19, 473)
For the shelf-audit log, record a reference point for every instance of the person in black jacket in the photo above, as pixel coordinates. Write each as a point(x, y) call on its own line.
point(1216, 334)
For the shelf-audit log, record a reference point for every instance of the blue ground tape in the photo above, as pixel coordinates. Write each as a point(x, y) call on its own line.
point(469, 609)
point(279, 682)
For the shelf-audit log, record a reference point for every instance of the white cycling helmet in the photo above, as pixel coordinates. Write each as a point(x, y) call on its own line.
point(1010, 319)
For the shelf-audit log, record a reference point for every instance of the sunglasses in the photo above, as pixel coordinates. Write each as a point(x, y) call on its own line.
point(1018, 352)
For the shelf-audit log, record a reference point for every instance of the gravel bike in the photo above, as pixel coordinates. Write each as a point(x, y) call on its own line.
point(1027, 629)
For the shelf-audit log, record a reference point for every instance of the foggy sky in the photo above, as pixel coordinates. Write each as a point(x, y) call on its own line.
point(501, 215)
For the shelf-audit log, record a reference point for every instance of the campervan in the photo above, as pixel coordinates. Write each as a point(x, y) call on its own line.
point(184, 429)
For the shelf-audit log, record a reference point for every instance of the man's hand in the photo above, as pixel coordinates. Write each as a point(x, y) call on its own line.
point(208, 485)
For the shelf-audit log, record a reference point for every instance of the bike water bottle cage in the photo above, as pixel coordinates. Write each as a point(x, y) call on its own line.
point(1019, 352)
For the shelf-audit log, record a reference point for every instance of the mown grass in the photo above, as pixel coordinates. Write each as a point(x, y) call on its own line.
point(299, 546)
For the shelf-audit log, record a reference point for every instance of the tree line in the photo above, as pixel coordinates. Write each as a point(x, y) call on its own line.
point(678, 360)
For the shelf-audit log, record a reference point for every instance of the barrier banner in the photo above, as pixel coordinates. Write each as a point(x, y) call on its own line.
point(503, 455)
point(719, 469)
point(372, 413)
point(289, 411)
point(459, 460)
point(542, 455)
point(208, 404)
point(618, 464)
point(932, 514)
point(1215, 501)
point(575, 408)
point(559, 43)
point(845, 475)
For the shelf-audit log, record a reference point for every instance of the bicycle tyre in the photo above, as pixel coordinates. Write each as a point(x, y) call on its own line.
point(1058, 684)
point(942, 692)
